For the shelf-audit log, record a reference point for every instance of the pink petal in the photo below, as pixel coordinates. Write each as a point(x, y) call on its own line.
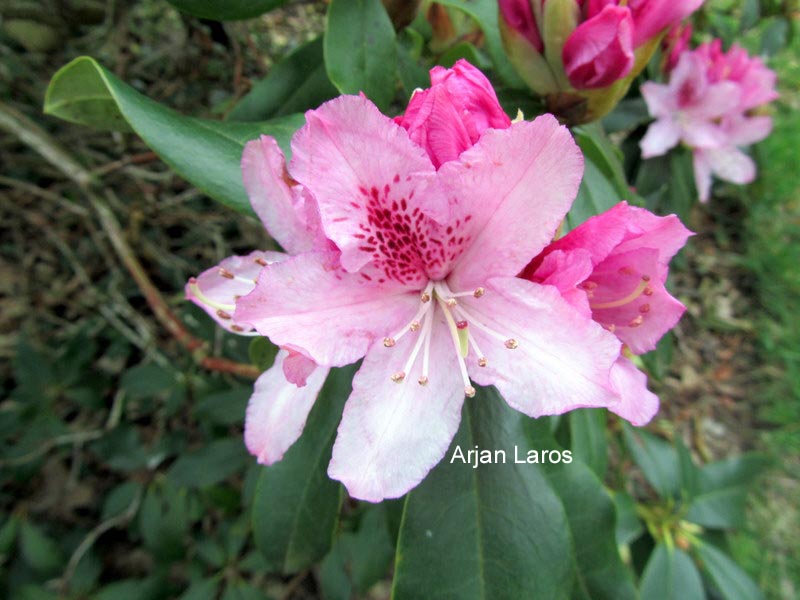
point(659, 98)
point(699, 133)
point(702, 174)
point(278, 410)
point(510, 191)
point(718, 100)
point(731, 164)
point(562, 361)
point(309, 303)
point(647, 230)
point(600, 50)
point(392, 434)
point(297, 368)
point(637, 404)
point(652, 17)
point(628, 294)
point(564, 270)
point(274, 196)
point(357, 162)
point(743, 131)
point(660, 137)
point(217, 289)
point(518, 14)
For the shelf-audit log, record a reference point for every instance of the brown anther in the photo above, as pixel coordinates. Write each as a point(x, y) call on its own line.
point(626, 271)
point(511, 344)
point(237, 328)
point(469, 391)
point(648, 291)
point(388, 342)
point(451, 302)
point(222, 314)
point(225, 273)
point(261, 262)
point(588, 285)
point(461, 324)
point(479, 292)
point(645, 277)
point(398, 377)
point(422, 380)
point(636, 322)
point(192, 280)
point(483, 361)
point(415, 325)
point(425, 298)
point(612, 328)
point(644, 308)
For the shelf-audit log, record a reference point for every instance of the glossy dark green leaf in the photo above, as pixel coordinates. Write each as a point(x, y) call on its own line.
point(670, 574)
point(205, 589)
point(775, 36)
point(600, 575)
point(226, 10)
point(485, 14)
point(629, 525)
point(164, 520)
point(629, 113)
point(360, 54)
point(206, 153)
point(296, 506)
point(209, 464)
point(656, 458)
point(40, 551)
point(588, 441)
point(729, 579)
point(295, 84)
point(409, 49)
point(722, 491)
point(498, 531)
point(598, 149)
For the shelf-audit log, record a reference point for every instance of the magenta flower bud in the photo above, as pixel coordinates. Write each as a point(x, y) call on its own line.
point(518, 15)
point(651, 17)
point(676, 42)
point(450, 116)
point(600, 50)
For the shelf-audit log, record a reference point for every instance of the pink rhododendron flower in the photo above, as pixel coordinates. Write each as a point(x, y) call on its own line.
point(706, 105)
point(451, 115)
point(675, 43)
point(613, 268)
point(414, 269)
point(581, 55)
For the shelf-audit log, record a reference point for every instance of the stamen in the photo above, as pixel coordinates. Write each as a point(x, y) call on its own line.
point(640, 289)
point(451, 302)
point(637, 321)
point(426, 352)
point(208, 301)
point(398, 377)
point(389, 342)
point(476, 293)
point(261, 261)
point(482, 361)
point(414, 325)
point(451, 325)
point(425, 297)
point(511, 344)
point(423, 380)
point(223, 315)
point(225, 273)
point(463, 314)
point(417, 346)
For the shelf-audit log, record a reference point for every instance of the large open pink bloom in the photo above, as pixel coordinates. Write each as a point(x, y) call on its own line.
point(613, 268)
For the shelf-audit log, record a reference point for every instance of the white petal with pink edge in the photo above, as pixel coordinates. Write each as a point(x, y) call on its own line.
point(636, 404)
point(216, 290)
point(278, 410)
point(309, 303)
point(560, 360)
point(392, 434)
point(280, 207)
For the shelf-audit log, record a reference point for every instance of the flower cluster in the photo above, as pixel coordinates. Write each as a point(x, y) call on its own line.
point(423, 245)
point(709, 105)
point(581, 55)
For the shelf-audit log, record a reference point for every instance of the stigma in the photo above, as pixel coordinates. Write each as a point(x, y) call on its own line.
point(437, 300)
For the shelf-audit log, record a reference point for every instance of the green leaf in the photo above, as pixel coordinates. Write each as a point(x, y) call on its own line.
point(629, 525)
point(629, 113)
point(775, 36)
point(596, 194)
point(120, 499)
point(722, 491)
point(210, 464)
point(295, 84)
point(656, 458)
point(485, 14)
point(40, 552)
point(151, 588)
point(296, 506)
point(360, 54)
point(228, 10)
point(670, 574)
point(206, 153)
point(262, 352)
point(205, 589)
point(588, 438)
point(164, 520)
point(598, 149)
point(600, 575)
point(729, 579)
point(223, 408)
point(498, 531)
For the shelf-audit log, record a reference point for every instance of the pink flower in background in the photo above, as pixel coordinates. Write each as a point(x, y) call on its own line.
point(675, 43)
point(613, 268)
point(451, 115)
point(707, 105)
